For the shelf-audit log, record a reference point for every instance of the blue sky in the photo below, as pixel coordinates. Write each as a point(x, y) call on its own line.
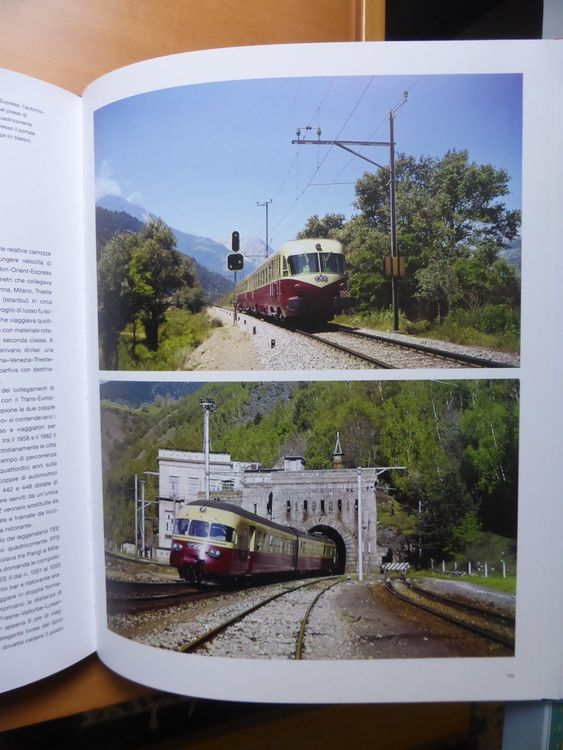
point(202, 157)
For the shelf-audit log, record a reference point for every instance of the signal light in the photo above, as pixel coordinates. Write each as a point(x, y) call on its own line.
point(235, 262)
point(235, 242)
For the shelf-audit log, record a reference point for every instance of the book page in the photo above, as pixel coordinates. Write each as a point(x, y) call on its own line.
point(251, 453)
point(46, 603)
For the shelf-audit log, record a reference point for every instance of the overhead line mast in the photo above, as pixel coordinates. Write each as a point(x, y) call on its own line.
point(346, 146)
point(265, 204)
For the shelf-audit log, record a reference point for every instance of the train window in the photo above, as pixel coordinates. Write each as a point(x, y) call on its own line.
point(339, 506)
point(322, 506)
point(304, 263)
point(305, 505)
point(284, 265)
point(199, 528)
point(222, 533)
point(331, 262)
point(181, 525)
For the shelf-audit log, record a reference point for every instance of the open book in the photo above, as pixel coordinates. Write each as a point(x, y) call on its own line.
point(212, 470)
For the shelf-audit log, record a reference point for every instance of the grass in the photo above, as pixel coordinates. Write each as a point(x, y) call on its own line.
point(179, 335)
point(453, 332)
point(495, 582)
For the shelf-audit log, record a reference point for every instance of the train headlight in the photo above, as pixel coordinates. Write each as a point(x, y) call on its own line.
point(176, 547)
point(214, 553)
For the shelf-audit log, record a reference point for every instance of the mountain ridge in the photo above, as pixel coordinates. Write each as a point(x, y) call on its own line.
point(209, 253)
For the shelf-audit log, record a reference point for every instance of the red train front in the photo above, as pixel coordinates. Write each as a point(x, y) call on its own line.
point(303, 279)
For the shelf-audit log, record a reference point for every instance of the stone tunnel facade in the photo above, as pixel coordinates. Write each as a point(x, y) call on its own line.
point(326, 500)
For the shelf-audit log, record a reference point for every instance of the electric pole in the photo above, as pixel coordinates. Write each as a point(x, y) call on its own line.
point(266, 204)
point(207, 406)
point(345, 145)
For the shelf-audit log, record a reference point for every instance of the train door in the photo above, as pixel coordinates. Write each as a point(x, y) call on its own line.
point(295, 543)
point(251, 548)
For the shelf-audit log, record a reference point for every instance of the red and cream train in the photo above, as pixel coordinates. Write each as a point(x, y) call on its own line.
point(303, 279)
point(217, 541)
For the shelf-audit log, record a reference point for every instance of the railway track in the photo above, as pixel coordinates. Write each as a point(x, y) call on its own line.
point(492, 626)
point(290, 345)
point(128, 597)
point(289, 608)
point(390, 352)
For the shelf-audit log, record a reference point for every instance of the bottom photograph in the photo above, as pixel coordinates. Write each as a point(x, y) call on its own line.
point(312, 520)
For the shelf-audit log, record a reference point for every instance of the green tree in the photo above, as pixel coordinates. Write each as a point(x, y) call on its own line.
point(156, 267)
point(485, 279)
point(191, 294)
point(437, 285)
point(115, 295)
point(489, 425)
point(447, 209)
point(365, 249)
point(327, 227)
point(449, 204)
point(139, 277)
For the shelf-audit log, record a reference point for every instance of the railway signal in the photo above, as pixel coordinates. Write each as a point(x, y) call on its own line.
point(235, 260)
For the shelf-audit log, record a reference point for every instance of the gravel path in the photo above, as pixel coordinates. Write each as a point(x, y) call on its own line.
point(228, 348)
point(278, 349)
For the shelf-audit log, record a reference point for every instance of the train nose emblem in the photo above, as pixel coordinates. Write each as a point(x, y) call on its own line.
point(321, 277)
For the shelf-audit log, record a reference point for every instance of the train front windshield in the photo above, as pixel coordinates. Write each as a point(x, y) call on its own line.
point(316, 263)
point(219, 532)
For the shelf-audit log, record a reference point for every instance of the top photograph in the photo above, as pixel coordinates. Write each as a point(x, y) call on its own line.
point(311, 223)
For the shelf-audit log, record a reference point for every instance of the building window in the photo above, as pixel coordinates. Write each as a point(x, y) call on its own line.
point(173, 482)
point(168, 523)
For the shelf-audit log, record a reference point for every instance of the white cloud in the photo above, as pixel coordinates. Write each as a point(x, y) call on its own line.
point(134, 197)
point(105, 183)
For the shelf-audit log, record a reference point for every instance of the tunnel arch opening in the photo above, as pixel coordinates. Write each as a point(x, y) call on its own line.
point(332, 534)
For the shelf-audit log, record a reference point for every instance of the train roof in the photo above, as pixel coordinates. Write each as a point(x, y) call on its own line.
point(310, 244)
point(229, 507)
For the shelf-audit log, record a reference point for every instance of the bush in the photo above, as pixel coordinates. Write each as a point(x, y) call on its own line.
point(181, 332)
point(489, 319)
point(419, 327)
point(381, 320)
